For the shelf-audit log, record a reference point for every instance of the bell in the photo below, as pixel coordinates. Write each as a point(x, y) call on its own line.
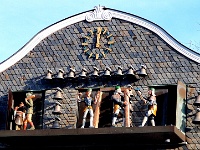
point(142, 71)
point(71, 73)
point(60, 74)
point(58, 95)
point(197, 118)
point(49, 75)
point(83, 73)
point(107, 71)
point(130, 70)
point(96, 70)
point(57, 108)
point(56, 124)
point(119, 72)
point(197, 102)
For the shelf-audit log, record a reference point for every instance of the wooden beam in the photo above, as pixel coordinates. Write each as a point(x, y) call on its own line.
point(127, 108)
point(97, 110)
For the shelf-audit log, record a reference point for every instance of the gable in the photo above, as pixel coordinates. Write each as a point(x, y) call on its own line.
point(64, 45)
point(138, 26)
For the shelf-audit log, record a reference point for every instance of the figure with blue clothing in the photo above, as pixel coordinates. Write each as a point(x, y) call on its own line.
point(88, 100)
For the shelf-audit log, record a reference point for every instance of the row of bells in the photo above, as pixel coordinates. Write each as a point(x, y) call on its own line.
point(142, 72)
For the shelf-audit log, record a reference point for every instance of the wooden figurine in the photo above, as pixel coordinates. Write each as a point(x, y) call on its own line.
point(88, 100)
point(19, 116)
point(29, 112)
point(151, 103)
point(118, 104)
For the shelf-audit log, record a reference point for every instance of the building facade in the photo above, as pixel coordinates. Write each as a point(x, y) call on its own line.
point(101, 49)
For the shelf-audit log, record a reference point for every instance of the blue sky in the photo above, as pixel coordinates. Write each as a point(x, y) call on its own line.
point(20, 20)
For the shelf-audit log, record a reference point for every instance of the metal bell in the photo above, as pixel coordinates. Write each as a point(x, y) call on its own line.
point(71, 73)
point(107, 71)
point(197, 101)
point(96, 70)
point(130, 70)
point(83, 73)
point(60, 74)
point(49, 75)
point(197, 118)
point(57, 108)
point(56, 124)
point(58, 95)
point(142, 71)
point(119, 72)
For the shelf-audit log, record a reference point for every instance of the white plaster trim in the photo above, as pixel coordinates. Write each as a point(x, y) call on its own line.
point(98, 14)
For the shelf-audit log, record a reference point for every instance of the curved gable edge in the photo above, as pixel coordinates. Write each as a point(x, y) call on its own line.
point(99, 13)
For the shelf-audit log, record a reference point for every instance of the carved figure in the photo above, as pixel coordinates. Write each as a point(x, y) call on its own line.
point(88, 100)
point(118, 105)
point(151, 103)
point(29, 112)
point(19, 116)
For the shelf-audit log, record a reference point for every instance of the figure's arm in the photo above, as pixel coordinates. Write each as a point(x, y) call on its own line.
point(141, 97)
point(80, 95)
point(24, 115)
point(116, 101)
point(28, 102)
point(28, 98)
point(15, 112)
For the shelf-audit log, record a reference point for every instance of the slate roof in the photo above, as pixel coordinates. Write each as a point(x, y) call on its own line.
point(137, 41)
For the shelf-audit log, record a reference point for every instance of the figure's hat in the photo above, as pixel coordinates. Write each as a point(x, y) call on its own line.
point(153, 91)
point(118, 89)
point(129, 86)
point(89, 90)
point(29, 94)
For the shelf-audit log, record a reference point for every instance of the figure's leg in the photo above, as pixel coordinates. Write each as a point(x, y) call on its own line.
point(32, 125)
point(29, 119)
point(84, 118)
point(91, 118)
point(147, 114)
point(144, 121)
point(16, 127)
point(25, 124)
point(152, 120)
point(115, 114)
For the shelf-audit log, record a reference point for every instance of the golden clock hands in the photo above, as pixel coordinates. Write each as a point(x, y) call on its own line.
point(98, 37)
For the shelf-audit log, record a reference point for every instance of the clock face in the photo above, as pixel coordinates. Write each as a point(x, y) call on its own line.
point(97, 43)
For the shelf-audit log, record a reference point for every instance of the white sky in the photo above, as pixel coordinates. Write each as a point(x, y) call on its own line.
point(20, 20)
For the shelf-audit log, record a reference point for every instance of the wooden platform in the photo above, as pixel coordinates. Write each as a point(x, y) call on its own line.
point(90, 138)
